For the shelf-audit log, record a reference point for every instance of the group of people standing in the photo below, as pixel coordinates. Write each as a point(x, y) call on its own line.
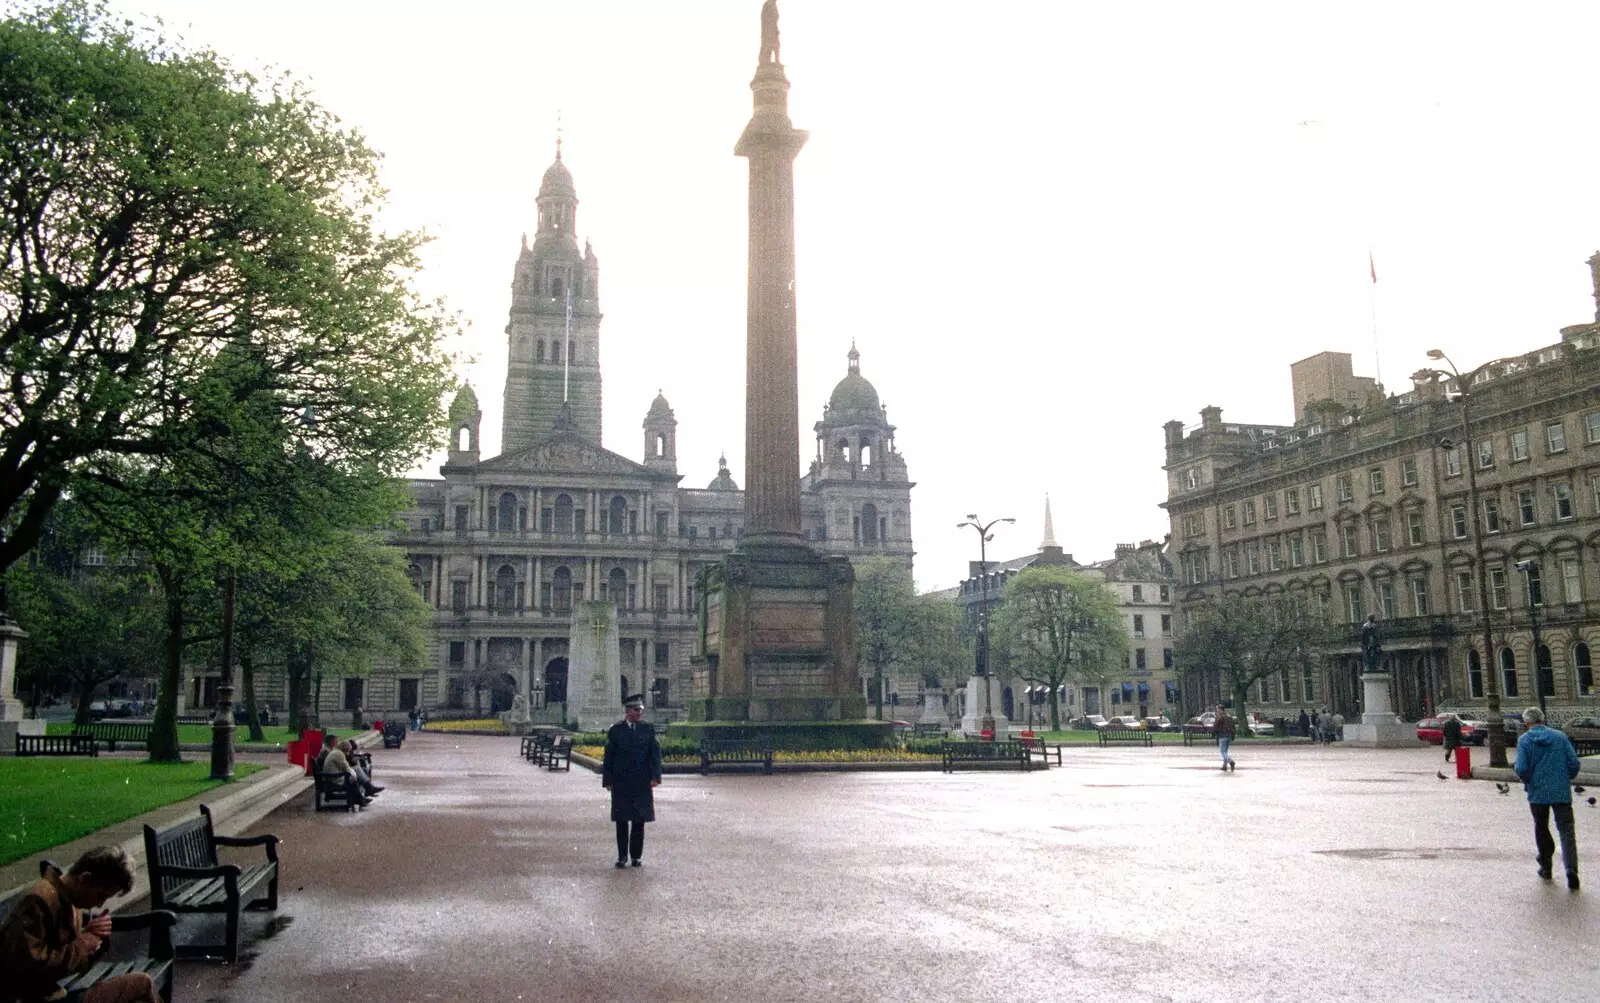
point(1323, 728)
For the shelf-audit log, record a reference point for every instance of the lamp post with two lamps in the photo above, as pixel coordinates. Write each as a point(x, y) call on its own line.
point(1497, 725)
point(982, 669)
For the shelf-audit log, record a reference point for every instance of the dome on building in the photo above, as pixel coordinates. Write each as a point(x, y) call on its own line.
point(724, 480)
point(557, 180)
point(659, 408)
point(465, 406)
point(854, 399)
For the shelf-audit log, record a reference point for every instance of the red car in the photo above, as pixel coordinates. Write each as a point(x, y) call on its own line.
point(1431, 730)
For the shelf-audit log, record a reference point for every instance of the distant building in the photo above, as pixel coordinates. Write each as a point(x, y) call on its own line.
point(1363, 506)
point(1140, 577)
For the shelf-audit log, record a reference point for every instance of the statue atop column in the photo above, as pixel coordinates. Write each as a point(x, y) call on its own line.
point(769, 33)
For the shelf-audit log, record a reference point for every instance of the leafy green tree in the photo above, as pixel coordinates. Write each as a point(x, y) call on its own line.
point(1244, 639)
point(87, 626)
point(898, 629)
point(1056, 626)
point(161, 206)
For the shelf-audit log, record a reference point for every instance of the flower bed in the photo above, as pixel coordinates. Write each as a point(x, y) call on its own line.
point(678, 758)
point(483, 724)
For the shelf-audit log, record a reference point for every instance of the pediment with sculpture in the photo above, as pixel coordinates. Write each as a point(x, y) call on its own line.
point(564, 455)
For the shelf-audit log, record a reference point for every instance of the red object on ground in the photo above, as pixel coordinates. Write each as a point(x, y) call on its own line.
point(378, 726)
point(1463, 763)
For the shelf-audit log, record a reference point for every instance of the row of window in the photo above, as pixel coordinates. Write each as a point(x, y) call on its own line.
point(1582, 669)
point(1166, 622)
point(1141, 661)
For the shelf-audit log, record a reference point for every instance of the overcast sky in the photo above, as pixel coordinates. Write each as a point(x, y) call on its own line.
point(1049, 227)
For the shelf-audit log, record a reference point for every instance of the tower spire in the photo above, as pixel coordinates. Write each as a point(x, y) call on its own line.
point(558, 135)
point(1049, 529)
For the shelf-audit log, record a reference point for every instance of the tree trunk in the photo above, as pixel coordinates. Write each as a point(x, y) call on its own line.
point(877, 691)
point(1055, 706)
point(1241, 723)
point(297, 686)
point(164, 730)
point(247, 680)
point(85, 697)
point(315, 716)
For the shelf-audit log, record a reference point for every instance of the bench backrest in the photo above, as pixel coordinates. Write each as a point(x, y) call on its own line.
point(735, 746)
point(187, 844)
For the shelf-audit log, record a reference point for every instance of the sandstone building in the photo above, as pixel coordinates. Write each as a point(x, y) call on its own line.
point(1364, 506)
point(502, 547)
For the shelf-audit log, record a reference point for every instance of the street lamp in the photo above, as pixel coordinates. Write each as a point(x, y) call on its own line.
point(1530, 571)
point(984, 536)
point(1497, 725)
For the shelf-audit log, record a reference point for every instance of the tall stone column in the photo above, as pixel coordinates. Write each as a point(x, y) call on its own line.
point(772, 397)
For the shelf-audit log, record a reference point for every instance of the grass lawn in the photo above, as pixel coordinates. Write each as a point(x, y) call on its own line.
point(192, 734)
point(45, 802)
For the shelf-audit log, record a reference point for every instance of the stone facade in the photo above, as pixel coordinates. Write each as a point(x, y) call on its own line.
point(1361, 509)
point(1140, 577)
point(504, 548)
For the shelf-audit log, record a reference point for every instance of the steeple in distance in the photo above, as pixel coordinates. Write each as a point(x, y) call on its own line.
point(1049, 528)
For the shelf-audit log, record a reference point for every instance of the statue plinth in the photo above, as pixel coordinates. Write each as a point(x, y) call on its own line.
point(594, 668)
point(1379, 728)
point(12, 721)
point(972, 719)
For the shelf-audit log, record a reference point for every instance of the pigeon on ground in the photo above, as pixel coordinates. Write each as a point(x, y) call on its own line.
point(1441, 776)
point(1504, 788)
point(1578, 788)
point(1591, 802)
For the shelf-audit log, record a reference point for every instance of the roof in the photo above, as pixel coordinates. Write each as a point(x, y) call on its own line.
point(465, 406)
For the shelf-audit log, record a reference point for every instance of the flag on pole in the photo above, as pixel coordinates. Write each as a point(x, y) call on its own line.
point(1373, 268)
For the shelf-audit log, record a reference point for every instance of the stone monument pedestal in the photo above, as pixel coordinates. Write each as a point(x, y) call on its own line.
point(12, 722)
point(1378, 727)
point(972, 720)
point(594, 668)
point(933, 709)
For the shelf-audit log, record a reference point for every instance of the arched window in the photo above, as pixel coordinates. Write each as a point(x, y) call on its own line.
point(505, 587)
point(1474, 674)
point(844, 450)
point(658, 692)
point(661, 445)
point(555, 351)
point(1585, 673)
point(563, 590)
point(463, 438)
point(539, 351)
point(869, 524)
point(866, 451)
point(555, 287)
point(414, 573)
point(563, 513)
point(617, 585)
point(618, 515)
point(508, 512)
point(1546, 675)
point(1508, 672)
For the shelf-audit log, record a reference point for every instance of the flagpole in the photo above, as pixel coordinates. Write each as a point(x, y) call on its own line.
point(1372, 299)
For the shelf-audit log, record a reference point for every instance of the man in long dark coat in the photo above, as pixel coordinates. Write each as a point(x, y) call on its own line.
point(631, 768)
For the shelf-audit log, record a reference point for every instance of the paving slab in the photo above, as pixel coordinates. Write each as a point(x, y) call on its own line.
point(1144, 874)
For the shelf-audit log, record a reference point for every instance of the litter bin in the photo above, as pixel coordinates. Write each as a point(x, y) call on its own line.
point(1463, 763)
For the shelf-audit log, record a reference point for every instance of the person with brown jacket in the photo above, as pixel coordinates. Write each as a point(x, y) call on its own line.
point(47, 937)
point(1226, 731)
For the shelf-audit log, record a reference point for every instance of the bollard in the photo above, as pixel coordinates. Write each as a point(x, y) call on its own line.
point(1463, 763)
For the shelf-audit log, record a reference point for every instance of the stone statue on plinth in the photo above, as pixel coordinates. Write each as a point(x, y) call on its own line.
point(769, 33)
point(517, 719)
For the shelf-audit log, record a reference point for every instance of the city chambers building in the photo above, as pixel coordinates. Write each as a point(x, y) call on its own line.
point(502, 547)
point(1372, 504)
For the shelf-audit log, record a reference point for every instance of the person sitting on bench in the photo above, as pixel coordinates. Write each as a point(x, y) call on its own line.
point(48, 936)
point(348, 746)
point(334, 763)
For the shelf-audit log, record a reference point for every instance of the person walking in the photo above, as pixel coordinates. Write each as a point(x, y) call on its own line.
point(1305, 723)
point(1225, 731)
point(1546, 764)
point(1325, 726)
point(1451, 729)
point(630, 770)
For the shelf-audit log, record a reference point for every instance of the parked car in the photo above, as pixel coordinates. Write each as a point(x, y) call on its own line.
point(1431, 730)
point(111, 708)
point(1584, 729)
point(1159, 724)
point(1260, 726)
point(1089, 722)
point(1202, 722)
point(1126, 722)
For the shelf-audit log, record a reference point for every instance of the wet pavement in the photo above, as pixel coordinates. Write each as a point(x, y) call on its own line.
point(1309, 874)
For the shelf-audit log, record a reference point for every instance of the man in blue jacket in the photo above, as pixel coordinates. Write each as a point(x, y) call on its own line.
point(1546, 763)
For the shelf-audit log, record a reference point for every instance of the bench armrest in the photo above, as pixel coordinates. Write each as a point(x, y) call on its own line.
point(173, 871)
point(269, 841)
point(158, 921)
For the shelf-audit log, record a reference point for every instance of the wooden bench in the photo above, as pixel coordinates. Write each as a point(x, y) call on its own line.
point(1198, 736)
point(1044, 750)
point(333, 792)
point(56, 745)
point(185, 877)
point(716, 753)
point(157, 962)
point(204, 719)
point(536, 747)
point(394, 734)
point(1128, 736)
point(113, 732)
point(558, 756)
point(1004, 752)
